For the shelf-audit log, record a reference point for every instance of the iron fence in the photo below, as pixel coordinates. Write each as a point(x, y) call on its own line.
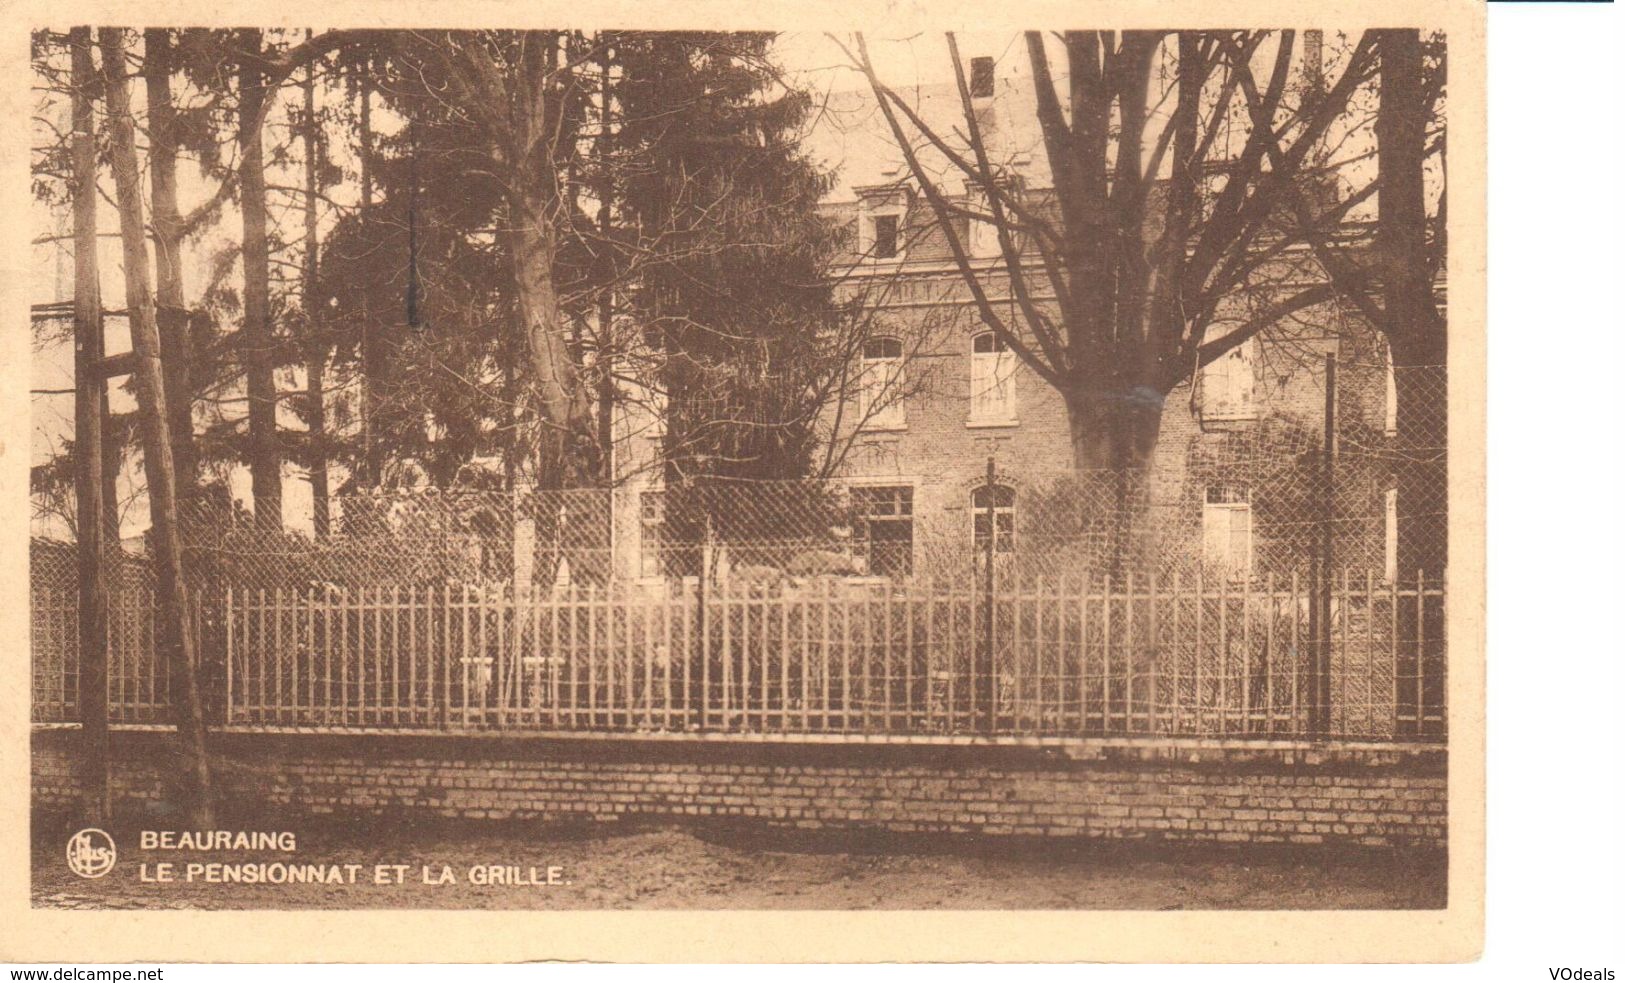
point(830, 656)
point(1140, 657)
point(1275, 577)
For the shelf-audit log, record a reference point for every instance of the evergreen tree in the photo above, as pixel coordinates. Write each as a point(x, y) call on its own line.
point(735, 299)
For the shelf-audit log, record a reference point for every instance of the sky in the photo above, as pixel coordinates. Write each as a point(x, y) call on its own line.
point(915, 59)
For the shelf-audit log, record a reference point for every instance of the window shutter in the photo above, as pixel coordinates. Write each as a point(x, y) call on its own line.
point(1216, 536)
point(979, 385)
point(1227, 536)
point(1227, 384)
point(1241, 539)
point(1004, 368)
point(879, 403)
point(992, 379)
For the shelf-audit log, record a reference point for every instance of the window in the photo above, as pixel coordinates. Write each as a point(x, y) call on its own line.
point(651, 526)
point(1227, 385)
point(993, 513)
point(881, 212)
point(886, 528)
point(983, 240)
point(992, 380)
point(880, 398)
point(885, 237)
point(1227, 529)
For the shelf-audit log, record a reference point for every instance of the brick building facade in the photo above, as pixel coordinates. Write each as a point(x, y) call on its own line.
point(1232, 484)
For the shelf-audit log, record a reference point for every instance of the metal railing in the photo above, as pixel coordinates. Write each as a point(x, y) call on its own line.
point(1173, 657)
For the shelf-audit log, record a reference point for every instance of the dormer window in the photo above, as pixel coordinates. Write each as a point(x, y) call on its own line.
point(885, 237)
point(880, 222)
point(984, 235)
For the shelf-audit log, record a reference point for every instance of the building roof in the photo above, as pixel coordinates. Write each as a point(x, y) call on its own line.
point(850, 134)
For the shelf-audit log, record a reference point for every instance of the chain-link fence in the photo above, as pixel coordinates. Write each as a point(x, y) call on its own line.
point(137, 678)
point(1270, 576)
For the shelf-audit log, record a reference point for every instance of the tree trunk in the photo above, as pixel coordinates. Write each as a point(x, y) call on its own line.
point(1417, 343)
point(1422, 493)
point(257, 340)
point(1420, 474)
point(1415, 331)
point(606, 303)
point(371, 462)
point(1113, 438)
point(174, 625)
point(1112, 428)
point(173, 319)
point(90, 395)
point(316, 352)
point(567, 443)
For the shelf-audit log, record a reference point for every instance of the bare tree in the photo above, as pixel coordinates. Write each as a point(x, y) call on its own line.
point(169, 228)
point(1392, 283)
point(315, 342)
point(1392, 280)
point(1119, 272)
point(257, 339)
point(1410, 252)
point(90, 410)
point(174, 624)
point(523, 91)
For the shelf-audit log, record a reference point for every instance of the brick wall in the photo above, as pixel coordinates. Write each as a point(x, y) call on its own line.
point(941, 453)
point(1387, 797)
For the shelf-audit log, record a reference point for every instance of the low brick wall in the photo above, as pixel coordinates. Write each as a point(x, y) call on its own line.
point(1194, 792)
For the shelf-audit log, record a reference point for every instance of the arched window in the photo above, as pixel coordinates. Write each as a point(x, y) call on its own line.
point(880, 387)
point(993, 513)
point(992, 380)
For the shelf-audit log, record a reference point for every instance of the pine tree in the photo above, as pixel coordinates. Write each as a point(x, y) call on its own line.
point(736, 297)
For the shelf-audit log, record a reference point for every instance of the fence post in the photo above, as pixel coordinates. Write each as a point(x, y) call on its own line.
point(986, 693)
point(705, 625)
point(228, 617)
point(1324, 563)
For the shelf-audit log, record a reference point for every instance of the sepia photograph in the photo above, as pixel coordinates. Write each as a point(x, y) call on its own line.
point(592, 469)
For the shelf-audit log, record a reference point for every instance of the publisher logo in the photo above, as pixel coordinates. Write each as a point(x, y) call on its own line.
point(91, 853)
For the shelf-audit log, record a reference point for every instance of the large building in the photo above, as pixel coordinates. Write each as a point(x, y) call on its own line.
point(1235, 485)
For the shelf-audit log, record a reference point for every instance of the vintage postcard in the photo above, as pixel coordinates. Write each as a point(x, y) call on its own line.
point(649, 483)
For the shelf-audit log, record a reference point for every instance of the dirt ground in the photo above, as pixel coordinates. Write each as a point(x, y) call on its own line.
point(683, 867)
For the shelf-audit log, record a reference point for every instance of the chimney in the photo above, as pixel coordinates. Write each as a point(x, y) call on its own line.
point(981, 77)
point(1314, 69)
point(981, 96)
